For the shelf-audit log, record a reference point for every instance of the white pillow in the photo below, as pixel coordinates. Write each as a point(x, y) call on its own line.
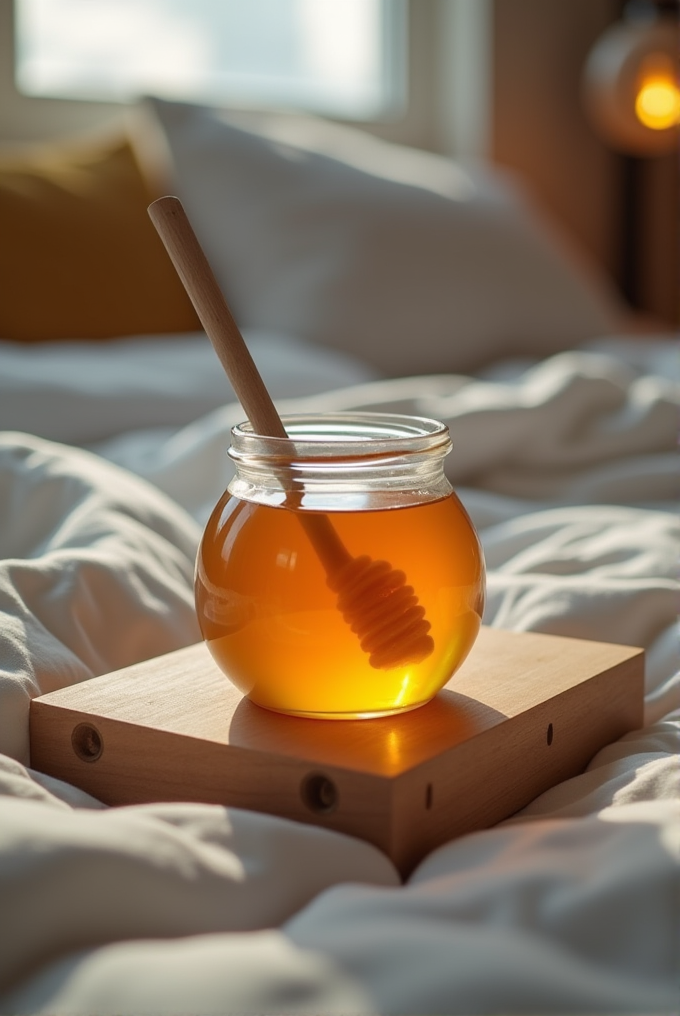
point(402, 257)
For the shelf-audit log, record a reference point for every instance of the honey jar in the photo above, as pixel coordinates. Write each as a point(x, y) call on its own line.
point(339, 576)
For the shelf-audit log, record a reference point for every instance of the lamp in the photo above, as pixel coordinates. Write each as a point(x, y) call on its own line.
point(630, 82)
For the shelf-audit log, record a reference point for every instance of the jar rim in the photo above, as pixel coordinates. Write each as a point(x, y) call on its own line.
point(342, 461)
point(339, 434)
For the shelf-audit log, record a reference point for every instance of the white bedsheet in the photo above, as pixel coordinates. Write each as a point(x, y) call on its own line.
point(568, 468)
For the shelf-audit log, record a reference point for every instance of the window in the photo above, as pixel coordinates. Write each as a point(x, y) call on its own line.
point(343, 58)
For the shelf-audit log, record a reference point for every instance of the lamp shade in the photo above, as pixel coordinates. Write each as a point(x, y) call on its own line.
point(630, 86)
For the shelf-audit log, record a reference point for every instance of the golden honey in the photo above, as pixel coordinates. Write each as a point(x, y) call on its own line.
point(264, 598)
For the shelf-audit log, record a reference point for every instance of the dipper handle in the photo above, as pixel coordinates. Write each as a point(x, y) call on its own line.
point(191, 264)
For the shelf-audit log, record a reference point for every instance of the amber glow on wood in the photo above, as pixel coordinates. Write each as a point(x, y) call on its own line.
point(524, 712)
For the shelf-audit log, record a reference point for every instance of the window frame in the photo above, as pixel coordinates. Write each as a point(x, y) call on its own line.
point(447, 107)
point(391, 82)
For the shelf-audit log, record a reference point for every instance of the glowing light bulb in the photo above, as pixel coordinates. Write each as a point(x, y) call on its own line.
point(657, 103)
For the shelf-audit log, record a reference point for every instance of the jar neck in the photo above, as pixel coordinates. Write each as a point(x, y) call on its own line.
point(343, 462)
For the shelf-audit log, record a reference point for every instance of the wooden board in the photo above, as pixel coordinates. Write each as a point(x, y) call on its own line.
point(524, 712)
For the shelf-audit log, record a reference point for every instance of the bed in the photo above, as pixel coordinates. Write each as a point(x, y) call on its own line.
point(366, 278)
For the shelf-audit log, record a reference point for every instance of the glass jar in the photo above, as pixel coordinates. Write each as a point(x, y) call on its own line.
point(339, 576)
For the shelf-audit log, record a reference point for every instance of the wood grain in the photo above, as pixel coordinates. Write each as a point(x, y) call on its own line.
point(524, 712)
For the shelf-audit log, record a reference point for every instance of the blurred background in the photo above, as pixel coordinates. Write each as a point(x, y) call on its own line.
point(521, 83)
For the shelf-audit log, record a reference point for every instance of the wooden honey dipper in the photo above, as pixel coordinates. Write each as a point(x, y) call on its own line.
point(373, 597)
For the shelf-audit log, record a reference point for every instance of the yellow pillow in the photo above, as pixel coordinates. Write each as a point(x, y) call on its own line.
point(79, 257)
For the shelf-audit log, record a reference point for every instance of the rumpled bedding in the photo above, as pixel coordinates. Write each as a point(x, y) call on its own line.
point(568, 469)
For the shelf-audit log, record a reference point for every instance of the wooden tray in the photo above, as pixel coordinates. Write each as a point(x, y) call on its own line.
point(524, 712)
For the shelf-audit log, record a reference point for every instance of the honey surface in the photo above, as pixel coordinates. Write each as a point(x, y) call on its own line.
point(272, 623)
